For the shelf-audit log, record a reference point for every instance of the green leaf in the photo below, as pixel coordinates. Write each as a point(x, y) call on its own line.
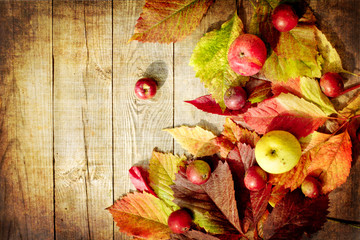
point(294, 55)
point(311, 91)
point(142, 215)
point(163, 167)
point(332, 61)
point(209, 60)
point(167, 21)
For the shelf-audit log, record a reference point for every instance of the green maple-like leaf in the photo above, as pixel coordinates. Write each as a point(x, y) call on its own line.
point(163, 167)
point(209, 60)
point(167, 21)
point(142, 215)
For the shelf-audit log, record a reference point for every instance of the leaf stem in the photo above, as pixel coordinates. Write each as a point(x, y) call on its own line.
point(349, 89)
point(354, 224)
point(351, 73)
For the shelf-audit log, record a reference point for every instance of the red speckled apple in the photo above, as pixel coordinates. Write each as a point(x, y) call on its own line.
point(284, 18)
point(247, 54)
point(310, 187)
point(145, 88)
point(255, 178)
point(198, 172)
point(179, 221)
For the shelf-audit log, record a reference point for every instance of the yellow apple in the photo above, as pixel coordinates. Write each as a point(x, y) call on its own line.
point(277, 151)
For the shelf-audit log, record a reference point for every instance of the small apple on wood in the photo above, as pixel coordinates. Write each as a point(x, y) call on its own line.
point(145, 88)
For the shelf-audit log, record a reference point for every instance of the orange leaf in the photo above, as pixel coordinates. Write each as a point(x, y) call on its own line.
point(236, 133)
point(142, 215)
point(167, 21)
point(293, 178)
point(332, 160)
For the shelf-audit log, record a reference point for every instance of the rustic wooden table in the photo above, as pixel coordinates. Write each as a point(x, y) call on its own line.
point(71, 126)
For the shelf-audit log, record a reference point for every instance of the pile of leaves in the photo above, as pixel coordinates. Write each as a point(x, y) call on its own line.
point(285, 95)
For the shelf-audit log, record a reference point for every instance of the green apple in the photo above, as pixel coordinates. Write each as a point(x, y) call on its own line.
point(277, 151)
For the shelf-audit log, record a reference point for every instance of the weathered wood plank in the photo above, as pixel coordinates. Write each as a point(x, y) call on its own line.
point(339, 22)
point(138, 123)
point(186, 85)
point(26, 150)
point(83, 119)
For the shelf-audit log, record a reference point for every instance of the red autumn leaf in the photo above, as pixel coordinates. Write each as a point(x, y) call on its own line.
point(331, 161)
point(247, 154)
point(142, 215)
point(290, 86)
point(169, 21)
point(209, 105)
point(213, 202)
point(224, 144)
point(139, 177)
point(278, 192)
point(294, 215)
point(257, 205)
point(236, 133)
point(285, 112)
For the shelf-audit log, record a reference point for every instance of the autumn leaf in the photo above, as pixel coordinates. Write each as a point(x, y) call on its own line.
point(208, 104)
point(307, 88)
point(209, 60)
point(332, 61)
point(285, 112)
point(163, 167)
point(213, 203)
point(294, 215)
point(258, 204)
point(236, 133)
point(293, 178)
point(331, 161)
point(139, 177)
point(195, 140)
point(352, 108)
point(142, 215)
point(260, 93)
point(169, 21)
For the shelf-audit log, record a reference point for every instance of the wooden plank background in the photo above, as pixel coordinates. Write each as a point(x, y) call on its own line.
point(71, 126)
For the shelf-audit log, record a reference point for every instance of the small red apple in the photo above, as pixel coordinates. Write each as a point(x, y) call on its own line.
point(145, 88)
point(284, 18)
point(331, 84)
point(255, 178)
point(311, 187)
point(247, 54)
point(179, 221)
point(235, 98)
point(198, 172)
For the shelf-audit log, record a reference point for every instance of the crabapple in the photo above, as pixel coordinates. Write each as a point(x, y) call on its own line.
point(235, 98)
point(331, 84)
point(284, 18)
point(198, 172)
point(255, 178)
point(310, 187)
point(180, 221)
point(145, 88)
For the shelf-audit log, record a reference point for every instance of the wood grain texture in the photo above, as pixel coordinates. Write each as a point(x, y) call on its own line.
point(26, 163)
point(138, 124)
point(83, 119)
point(71, 126)
point(187, 86)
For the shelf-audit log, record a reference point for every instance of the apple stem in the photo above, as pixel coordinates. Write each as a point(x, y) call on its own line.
point(349, 89)
point(354, 224)
point(351, 73)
